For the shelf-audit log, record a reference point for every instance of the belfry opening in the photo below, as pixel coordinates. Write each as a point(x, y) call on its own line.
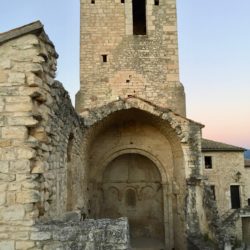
point(139, 17)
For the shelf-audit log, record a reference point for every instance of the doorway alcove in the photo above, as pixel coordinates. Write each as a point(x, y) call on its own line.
point(136, 170)
point(132, 188)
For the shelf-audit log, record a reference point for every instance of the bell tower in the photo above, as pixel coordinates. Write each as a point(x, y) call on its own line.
point(129, 48)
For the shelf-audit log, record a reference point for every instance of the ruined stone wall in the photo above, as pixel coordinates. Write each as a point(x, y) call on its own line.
point(89, 235)
point(66, 176)
point(37, 122)
point(145, 66)
point(22, 99)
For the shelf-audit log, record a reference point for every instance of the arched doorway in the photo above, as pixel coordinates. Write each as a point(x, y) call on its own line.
point(132, 187)
point(139, 133)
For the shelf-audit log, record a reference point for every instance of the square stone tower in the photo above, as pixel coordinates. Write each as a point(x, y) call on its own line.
point(129, 48)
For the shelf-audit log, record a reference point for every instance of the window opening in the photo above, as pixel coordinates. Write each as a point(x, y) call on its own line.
point(213, 191)
point(208, 162)
point(157, 2)
point(122, 1)
point(139, 17)
point(248, 202)
point(235, 196)
point(70, 147)
point(93, 1)
point(104, 58)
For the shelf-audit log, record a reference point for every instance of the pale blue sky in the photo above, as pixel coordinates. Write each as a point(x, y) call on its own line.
point(214, 43)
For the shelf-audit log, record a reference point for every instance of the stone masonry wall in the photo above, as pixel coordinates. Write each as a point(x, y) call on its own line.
point(40, 136)
point(226, 164)
point(230, 165)
point(144, 66)
point(64, 179)
point(22, 101)
point(89, 234)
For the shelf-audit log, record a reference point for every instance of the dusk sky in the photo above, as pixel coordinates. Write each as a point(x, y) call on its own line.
point(214, 50)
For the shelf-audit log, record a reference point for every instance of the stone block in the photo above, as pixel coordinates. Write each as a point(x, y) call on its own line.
point(7, 177)
point(7, 154)
point(2, 198)
point(5, 143)
point(20, 235)
point(19, 107)
point(3, 187)
point(25, 153)
point(40, 135)
point(20, 166)
point(30, 91)
point(34, 81)
point(22, 177)
point(4, 167)
point(1, 110)
point(168, 28)
point(26, 223)
point(29, 207)
point(29, 39)
point(15, 132)
point(19, 121)
point(54, 245)
point(12, 213)
point(17, 99)
point(16, 78)
point(7, 245)
point(3, 76)
point(11, 198)
point(13, 186)
point(4, 236)
point(2, 118)
point(66, 234)
point(29, 184)
point(5, 64)
point(28, 196)
point(39, 168)
point(40, 236)
point(28, 67)
point(21, 245)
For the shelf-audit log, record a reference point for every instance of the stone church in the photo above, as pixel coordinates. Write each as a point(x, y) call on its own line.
point(125, 168)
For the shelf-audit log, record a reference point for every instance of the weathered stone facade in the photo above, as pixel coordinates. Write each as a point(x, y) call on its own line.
point(50, 155)
point(228, 170)
point(127, 151)
point(145, 66)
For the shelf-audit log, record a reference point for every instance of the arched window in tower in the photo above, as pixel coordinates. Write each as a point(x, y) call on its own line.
point(139, 17)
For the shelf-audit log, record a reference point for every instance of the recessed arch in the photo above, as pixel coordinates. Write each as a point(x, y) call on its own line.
point(127, 149)
point(137, 179)
point(136, 126)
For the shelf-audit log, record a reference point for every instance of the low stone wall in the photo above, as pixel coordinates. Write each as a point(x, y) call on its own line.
point(104, 234)
point(89, 234)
